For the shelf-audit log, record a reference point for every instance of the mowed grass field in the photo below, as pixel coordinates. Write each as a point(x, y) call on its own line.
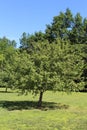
point(60, 111)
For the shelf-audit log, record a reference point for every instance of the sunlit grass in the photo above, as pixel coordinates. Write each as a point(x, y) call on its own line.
point(20, 112)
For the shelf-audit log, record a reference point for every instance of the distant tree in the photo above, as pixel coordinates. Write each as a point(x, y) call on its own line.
point(67, 27)
point(76, 34)
point(27, 41)
point(85, 67)
point(84, 39)
point(60, 26)
point(7, 49)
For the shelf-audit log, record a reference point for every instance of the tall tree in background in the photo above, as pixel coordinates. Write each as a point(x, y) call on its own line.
point(27, 41)
point(7, 49)
point(76, 34)
point(60, 26)
point(67, 27)
point(85, 66)
point(84, 39)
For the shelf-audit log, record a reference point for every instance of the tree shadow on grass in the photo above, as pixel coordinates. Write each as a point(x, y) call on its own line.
point(6, 91)
point(28, 105)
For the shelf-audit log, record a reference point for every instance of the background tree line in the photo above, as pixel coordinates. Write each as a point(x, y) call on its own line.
point(54, 60)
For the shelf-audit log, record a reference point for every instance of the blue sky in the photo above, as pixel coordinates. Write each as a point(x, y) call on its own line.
point(18, 16)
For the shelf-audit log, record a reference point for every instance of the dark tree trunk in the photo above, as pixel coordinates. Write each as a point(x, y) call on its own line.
point(40, 100)
point(6, 89)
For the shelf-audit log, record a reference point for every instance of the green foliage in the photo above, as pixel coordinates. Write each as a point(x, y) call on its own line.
point(66, 26)
point(6, 58)
point(48, 67)
point(60, 26)
point(27, 41)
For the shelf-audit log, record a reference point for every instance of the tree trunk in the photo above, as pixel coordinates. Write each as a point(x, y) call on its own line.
point(6, 89)
point(40, 100)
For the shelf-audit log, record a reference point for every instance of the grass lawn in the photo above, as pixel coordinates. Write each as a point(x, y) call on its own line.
point(60, 111)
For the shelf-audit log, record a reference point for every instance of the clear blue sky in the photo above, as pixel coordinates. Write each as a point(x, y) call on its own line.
point(18, 16)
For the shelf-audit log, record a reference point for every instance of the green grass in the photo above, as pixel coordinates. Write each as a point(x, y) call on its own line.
point(60, 111)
